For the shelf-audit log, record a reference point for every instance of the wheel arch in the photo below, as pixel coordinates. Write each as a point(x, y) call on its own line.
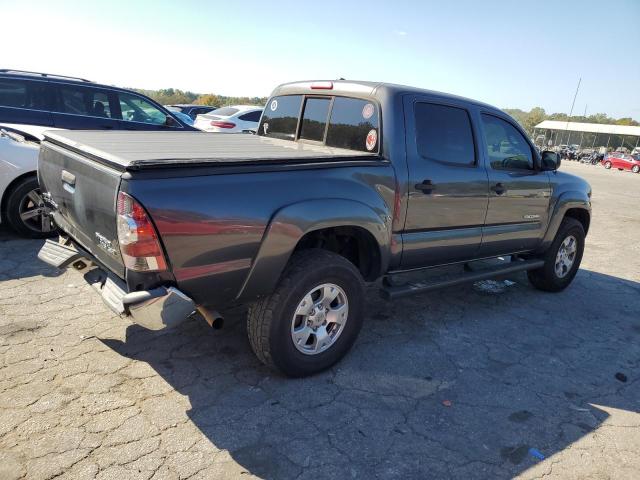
point(574, 204)
point(319, 224)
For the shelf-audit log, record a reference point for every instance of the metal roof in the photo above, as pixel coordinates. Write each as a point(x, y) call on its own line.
point(589, 127)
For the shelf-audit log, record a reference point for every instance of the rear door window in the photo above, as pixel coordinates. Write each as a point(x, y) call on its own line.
point(314, 118)
point(84, 101)
point(443, 134)
point(354, 125)
point(280, 117)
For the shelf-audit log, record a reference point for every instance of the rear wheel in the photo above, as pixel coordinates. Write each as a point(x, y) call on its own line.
point(25, 210)
point(607, 165)
point(312, 318)
point(562, 259)
point(635, 169)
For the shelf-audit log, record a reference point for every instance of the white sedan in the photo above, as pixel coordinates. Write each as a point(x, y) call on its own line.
point(233, 119)
point(22, 205)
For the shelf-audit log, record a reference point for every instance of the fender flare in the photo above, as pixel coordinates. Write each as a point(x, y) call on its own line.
point(566, 201)
point(289, 224)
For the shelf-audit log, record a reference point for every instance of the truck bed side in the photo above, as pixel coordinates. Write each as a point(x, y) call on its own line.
point(212, 231)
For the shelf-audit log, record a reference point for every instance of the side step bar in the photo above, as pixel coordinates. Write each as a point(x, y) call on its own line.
point(414, 288)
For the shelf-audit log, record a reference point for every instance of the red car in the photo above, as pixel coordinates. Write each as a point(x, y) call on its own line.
point(622, 161)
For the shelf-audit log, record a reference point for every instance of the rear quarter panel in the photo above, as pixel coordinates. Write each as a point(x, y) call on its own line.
point(212, 225)
point(16, 160)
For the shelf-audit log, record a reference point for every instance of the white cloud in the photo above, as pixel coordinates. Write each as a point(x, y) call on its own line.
point(400, 33)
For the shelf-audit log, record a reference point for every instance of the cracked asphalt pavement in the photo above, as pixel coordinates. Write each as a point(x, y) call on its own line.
point(468, 382)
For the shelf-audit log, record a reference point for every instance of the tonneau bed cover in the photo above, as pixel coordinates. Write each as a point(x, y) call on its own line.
point(140, 150)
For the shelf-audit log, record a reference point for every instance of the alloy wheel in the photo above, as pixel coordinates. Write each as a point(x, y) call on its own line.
point(319, 319)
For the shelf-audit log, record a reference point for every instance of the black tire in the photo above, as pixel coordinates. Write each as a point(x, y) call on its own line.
point(546, 278)
point(15, 201)
point(269, 319)
point(635, 169)
point(607, 165)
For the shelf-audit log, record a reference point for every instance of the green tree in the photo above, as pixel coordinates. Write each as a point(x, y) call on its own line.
point(208, 99)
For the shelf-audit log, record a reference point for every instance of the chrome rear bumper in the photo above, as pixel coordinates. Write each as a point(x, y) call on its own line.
point(155, 309)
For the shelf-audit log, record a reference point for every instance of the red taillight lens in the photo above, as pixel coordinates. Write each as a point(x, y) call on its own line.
point(215, 123)
point(322, 86)
point(137, 236)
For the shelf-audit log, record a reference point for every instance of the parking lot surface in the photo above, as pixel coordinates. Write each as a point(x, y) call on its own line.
point(469, 382)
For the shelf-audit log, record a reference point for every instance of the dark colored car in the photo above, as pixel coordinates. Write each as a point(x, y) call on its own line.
point(344, 183)
point(29, 98)
point(192, 110)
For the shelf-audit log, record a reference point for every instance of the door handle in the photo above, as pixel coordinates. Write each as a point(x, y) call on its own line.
point(499, 189)
point(68, 181)
point(68, 178)
point(426, 186)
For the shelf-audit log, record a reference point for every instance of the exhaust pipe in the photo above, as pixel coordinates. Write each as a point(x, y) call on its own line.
point(212, 317)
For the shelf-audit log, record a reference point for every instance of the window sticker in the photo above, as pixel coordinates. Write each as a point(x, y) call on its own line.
point(274, 105)
point(372, 139)
point(367, 111)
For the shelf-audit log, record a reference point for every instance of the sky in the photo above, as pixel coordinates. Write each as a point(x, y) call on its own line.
point(512, 54)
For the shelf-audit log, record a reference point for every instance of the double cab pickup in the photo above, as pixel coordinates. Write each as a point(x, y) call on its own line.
point(344, 183)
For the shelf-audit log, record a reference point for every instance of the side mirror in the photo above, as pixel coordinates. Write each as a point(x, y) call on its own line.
point(170, 121)
point(550, 160)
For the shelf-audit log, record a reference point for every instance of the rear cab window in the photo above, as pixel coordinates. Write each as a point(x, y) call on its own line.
point(340, 122)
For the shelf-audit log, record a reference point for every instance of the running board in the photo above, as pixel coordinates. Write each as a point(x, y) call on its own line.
point(414, 288)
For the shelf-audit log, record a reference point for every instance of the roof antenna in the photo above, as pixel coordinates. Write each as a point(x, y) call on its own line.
point(341, 78)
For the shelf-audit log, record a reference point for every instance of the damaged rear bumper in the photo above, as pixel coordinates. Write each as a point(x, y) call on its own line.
point(155, 309)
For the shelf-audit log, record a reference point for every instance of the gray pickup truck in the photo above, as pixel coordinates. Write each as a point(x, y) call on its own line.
point(344, 183)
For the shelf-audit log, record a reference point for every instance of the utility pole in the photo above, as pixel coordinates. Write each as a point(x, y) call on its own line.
point(573, 104)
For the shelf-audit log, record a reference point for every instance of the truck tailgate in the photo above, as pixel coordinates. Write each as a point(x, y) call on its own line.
point(83, 195)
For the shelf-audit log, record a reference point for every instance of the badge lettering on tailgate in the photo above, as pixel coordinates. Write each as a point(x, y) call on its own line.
point(106, 244)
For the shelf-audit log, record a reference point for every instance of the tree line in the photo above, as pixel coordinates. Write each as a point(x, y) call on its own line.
point(172, 96)
point(528, 120)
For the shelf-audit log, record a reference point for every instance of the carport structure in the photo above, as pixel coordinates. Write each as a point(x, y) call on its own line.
point(588, 135)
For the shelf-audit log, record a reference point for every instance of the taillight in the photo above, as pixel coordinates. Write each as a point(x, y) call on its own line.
point(215, 123)
point(322, 86)
point(139, 244)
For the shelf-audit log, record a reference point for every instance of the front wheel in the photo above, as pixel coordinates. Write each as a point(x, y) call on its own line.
point(607, 165)
point(312, 318)
point(635, 169)
point(562, 259)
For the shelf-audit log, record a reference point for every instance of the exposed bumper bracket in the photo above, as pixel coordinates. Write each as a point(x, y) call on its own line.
point(156, 309)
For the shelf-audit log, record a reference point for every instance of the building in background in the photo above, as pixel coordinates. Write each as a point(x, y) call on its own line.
point(586, 135)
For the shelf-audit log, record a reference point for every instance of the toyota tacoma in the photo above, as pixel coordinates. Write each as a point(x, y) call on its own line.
point(344, 183)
